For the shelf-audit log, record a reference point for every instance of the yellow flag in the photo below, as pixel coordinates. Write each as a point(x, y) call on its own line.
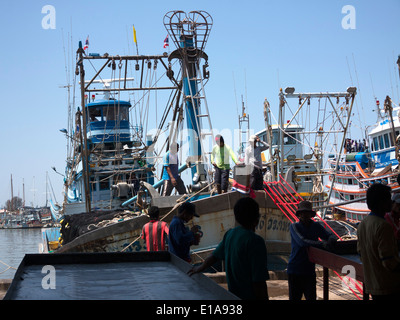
point(134, 35)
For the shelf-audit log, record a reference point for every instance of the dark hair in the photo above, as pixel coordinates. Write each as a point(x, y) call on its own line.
point(154, 212)
point(188, 207)
point(246, 211)
point(219, 137)
point(378, 197)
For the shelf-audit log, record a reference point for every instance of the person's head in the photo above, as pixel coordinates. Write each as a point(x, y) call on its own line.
point(219, 140)
point(187, 211)
point(247, 213)
point(379, 199)
point(396, 205)
point(253, 140)
point(154, 213)
point(174, 147)
point(305, 212)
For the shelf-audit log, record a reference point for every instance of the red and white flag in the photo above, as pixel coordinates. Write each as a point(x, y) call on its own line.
point(166, 42)
point(86, 44)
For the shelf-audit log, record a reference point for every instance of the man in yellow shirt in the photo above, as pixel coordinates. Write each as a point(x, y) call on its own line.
point(220, 160)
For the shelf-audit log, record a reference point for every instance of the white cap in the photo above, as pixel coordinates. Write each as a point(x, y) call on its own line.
point(252, 138)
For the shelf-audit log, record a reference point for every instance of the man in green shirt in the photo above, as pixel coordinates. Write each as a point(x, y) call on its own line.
point(220, 160)
point(244, 253)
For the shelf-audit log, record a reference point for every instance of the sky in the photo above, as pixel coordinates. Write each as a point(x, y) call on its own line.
point(255, 48)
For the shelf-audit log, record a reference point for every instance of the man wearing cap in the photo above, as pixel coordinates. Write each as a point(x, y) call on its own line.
point(220, 160)
point(300, 270)
point(393, 216)
point(252, 157)
point(180, 238)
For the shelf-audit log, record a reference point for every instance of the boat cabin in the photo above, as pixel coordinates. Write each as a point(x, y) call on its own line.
point(382, 146)
point(108, 121)
point(292, 146)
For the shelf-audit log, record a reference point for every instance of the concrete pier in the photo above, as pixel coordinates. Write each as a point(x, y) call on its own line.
point(4, 285)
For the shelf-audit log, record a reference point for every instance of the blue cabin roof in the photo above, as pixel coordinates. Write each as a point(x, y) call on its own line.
point(104, 103)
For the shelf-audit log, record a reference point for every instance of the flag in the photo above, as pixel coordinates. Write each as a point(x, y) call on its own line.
point(134, 35)
point(166, 42)
point(86, 44)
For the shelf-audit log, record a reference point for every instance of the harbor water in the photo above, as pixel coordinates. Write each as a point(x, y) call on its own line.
point(14, 244)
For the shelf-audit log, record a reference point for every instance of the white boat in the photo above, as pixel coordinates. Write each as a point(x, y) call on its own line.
point(356, 171)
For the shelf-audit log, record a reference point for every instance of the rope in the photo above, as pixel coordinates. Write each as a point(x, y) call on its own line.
point(8, 267)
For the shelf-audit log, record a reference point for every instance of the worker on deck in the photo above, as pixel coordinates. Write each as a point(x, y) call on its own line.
point(180, 238)
point(155, 232)
point(252, 157)
point(171, 176)
point(220, 160)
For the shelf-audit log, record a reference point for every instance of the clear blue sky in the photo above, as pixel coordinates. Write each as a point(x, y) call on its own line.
point(261, 45)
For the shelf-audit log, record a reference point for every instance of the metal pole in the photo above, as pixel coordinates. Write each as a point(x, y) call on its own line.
point(84, 147)
point(340, 151)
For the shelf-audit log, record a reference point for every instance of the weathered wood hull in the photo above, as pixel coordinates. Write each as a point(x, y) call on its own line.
point(216, 217)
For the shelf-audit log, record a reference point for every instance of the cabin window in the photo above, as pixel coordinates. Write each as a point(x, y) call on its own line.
point(94, 114)
point(289, 138)
point(381, 146)
point(386, 137)
point(104, 183)
point(375, 144)
point(124, 114)
point(350, 181)
point(109, 113)
point(275, 138)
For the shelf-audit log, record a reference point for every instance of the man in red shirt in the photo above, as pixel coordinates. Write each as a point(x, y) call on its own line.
point(155, 232)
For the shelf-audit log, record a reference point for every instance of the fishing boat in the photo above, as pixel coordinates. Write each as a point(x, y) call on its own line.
point(113, 166)
point(299, 144)
point(356, 171)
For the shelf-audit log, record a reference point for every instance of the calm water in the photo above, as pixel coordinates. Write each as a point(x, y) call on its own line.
point(14, 244)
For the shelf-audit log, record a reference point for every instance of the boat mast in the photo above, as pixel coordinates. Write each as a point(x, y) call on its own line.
point(389, 110)
point(268, 127)
point(190, 35)
point(85, 157)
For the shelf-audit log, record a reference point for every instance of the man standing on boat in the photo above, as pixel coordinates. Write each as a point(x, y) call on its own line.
point(220, 160)
point(252, 157)
point(170, 175)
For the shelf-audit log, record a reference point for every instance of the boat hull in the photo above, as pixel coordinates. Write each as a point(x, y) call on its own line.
point(216, 217)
